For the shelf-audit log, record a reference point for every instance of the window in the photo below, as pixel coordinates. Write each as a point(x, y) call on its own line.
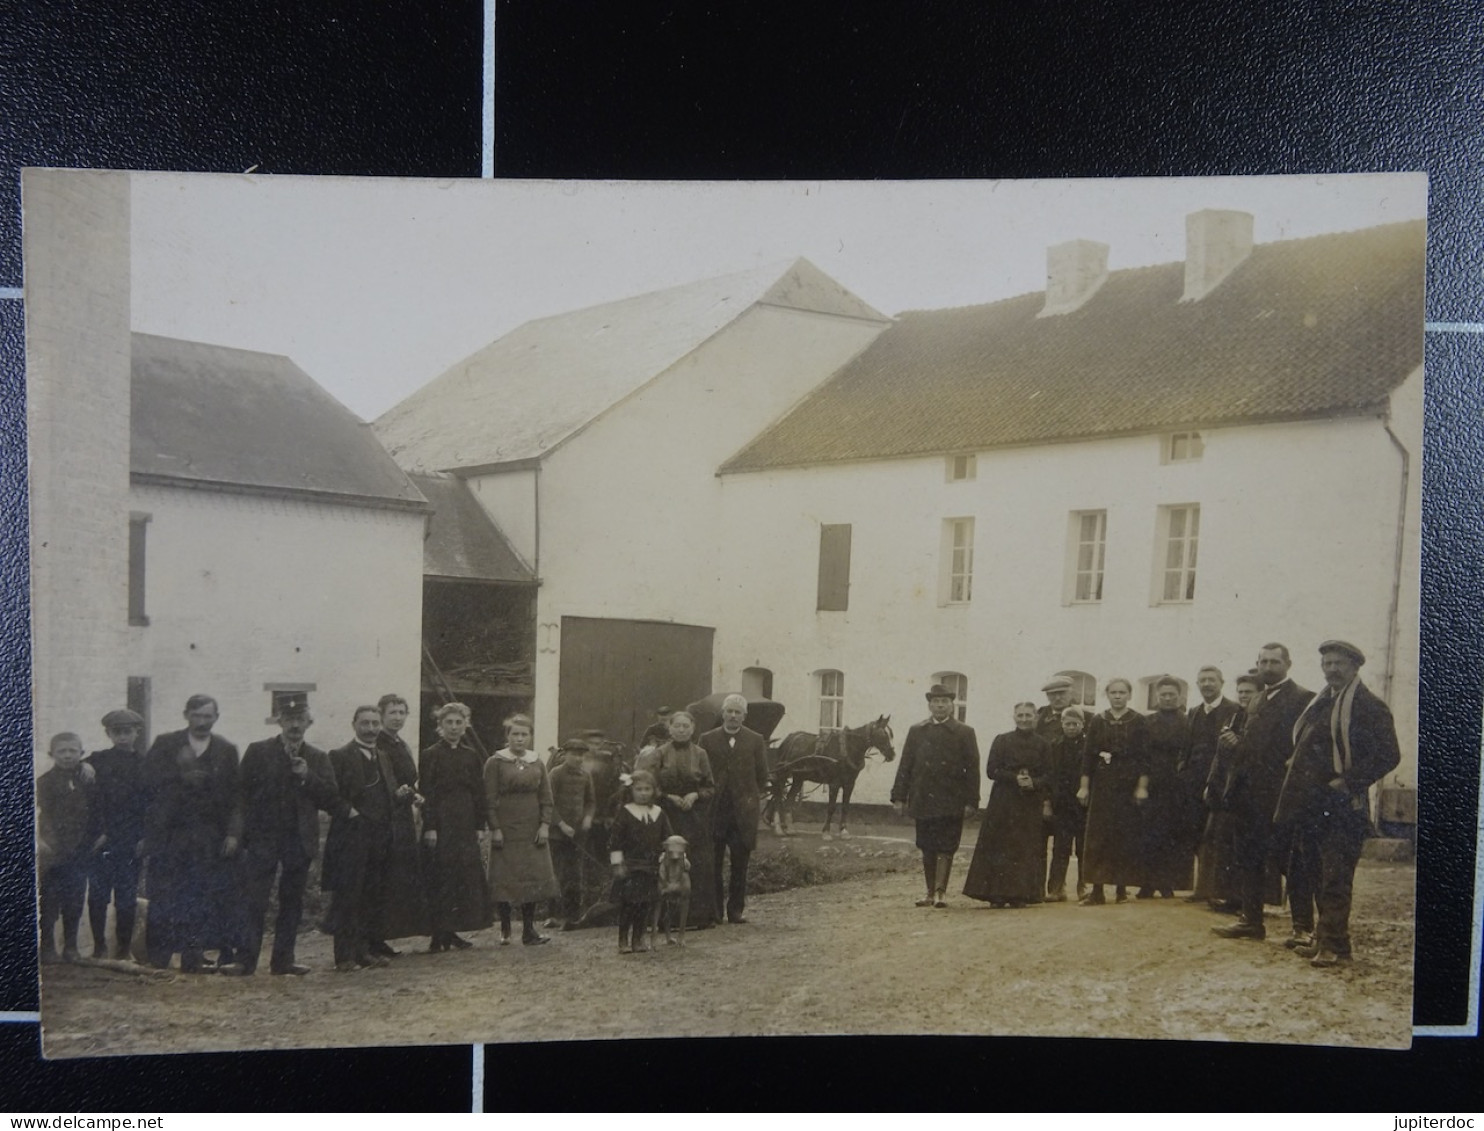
point(1088, 539)
point(757, 683)
point(279, 692)
point(1084, 688)
point(961, 468)
point(958, 683)
point(1183, 447)
point(957, 584)
point(1180, 529)
point(830, 686)
point(834, 568)
point(1151, 692)
point(138, 528)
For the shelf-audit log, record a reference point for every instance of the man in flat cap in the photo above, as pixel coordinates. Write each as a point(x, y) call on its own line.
point(117, 832)
point(282, 784)
point(1058, 692)
point(1344, 742)
point(937, 784)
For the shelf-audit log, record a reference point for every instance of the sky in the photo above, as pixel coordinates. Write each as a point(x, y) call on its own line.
point(376, 286)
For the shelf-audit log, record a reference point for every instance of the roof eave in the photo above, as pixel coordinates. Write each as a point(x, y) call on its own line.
point(264, 490)
point(1372, 408)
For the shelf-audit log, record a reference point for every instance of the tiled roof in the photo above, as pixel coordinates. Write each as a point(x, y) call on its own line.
point(523, 394)
point(1319, 326)
point(463, 542)
point(211, 416)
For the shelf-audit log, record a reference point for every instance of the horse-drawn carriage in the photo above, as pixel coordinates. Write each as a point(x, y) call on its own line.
point(833, 759)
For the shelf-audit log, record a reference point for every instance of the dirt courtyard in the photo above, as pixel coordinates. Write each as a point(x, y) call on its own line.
point(849, 957)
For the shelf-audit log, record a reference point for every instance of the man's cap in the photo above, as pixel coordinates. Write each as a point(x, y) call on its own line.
point(590, 734)
point(938, 691)
point(1167, 681)
point(293, 707)
point(1057, 683)
point(664, 710)
point(1345, 648)
point(576, 744)
point(123, 717)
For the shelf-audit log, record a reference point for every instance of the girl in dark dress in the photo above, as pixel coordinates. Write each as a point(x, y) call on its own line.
point(1115, 786)
point(1010, 857)
point(634, 850)
point(455, 821)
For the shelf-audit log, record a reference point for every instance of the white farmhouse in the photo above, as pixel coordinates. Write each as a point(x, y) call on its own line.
point(759, 482)
point(1135, 473)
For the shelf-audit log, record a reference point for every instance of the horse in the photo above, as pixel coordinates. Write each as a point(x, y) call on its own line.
point(834, 759)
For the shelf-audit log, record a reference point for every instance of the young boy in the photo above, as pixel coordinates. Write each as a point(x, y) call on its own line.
point(117, 831)
point(574, 805)
point(63, 798)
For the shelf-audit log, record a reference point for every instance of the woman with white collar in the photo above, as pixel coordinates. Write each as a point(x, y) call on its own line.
point(520, 808)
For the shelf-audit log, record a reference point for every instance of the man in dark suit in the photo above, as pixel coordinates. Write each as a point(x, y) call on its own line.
point(1058, 692)
point(192, 823)
point(739, 764)
point(282, 784)
point(1259, 761)
point(1208, 719)
point(1344, 742)
point(359, 846)
point(404, 906)
point(937, 784)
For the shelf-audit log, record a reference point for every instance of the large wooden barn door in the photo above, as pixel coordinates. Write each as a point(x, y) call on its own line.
point(614, 673)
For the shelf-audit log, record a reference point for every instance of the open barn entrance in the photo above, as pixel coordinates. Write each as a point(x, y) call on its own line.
point(614, 673)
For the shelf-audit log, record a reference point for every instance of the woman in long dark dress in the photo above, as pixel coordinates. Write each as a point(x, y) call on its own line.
point(1169, 863)
point(1009, 861)
point(520, 811)
point(455, 821)
point(1115, 786)
point(686, 787)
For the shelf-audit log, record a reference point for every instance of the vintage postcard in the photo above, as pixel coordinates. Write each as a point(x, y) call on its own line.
point(515, 611)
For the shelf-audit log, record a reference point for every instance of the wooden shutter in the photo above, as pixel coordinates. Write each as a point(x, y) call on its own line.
point(834, 568)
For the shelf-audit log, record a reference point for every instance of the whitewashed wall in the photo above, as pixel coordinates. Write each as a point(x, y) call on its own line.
point(1298, 530)
point(245, 590)
point(630, 509)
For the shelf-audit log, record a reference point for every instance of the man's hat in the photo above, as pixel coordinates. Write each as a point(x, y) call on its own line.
point(293, 707)
point(123, 717)
point(664, 710)
point(938, 691)
point(576, 744)
point(1057, 683)
point(1344, 647)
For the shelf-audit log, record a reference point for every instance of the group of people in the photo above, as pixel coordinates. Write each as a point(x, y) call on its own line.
point(407, 842)
point(1223, 800)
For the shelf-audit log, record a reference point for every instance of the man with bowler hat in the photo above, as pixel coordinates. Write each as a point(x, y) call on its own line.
point(1345, 742)
point(283, 782)
point(937, 785)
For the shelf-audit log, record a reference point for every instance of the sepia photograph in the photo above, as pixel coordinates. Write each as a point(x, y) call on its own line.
point(506, 611)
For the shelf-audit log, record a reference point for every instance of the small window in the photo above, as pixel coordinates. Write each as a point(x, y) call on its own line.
point(1179, 536)
point(830, 689)
point(1184, 447)
point(1151, 691)
point(834, 568)
point(138, 531)
point(1084, 688)
point(958, 683)
point(757, 683)
point(962, 467)
point(1088, 545)
point(279, 693)
point(957, 581)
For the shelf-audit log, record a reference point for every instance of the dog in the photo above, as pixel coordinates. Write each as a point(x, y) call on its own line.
point(674, 901)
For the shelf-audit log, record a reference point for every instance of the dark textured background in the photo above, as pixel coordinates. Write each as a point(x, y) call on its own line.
point(862, 89)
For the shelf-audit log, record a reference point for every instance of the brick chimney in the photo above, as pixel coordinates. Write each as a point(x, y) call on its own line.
point(1074, 272)
point(1216, 243)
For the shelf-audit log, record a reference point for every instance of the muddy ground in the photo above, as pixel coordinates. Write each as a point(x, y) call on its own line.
point(853, 956)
